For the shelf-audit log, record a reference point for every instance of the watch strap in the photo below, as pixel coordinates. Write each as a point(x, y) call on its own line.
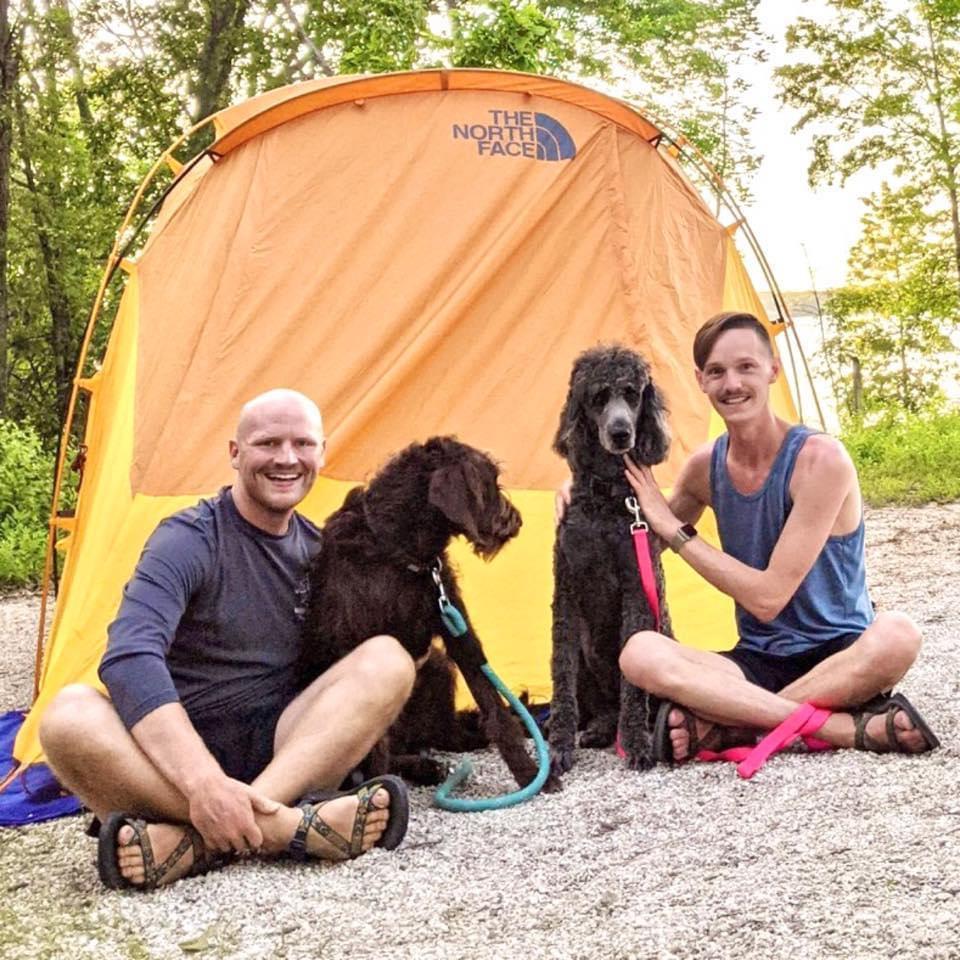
point(686, 532)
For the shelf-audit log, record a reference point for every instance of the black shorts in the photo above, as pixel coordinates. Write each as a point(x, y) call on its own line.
point(241, 743)
point(774, 672)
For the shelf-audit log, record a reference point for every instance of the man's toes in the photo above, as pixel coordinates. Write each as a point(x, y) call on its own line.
point(680, 742)
point(907, 734)
point(381, 799)
point(129, 855)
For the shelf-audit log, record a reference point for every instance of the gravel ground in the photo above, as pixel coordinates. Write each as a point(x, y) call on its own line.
point(847, 856)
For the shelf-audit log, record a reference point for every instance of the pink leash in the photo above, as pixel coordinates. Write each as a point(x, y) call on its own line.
point(641, 547)
point(805, 721)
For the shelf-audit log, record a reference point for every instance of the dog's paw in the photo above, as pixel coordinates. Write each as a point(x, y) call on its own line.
point(641, 762)
point(561, 760)
point(421, 771)
point(553, 784)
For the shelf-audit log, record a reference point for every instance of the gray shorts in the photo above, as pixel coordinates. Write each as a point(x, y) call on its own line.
point(241, 743)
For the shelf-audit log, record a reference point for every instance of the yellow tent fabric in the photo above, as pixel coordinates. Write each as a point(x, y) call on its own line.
point(422, 253)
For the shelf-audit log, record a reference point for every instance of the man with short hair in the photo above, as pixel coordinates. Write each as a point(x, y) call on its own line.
point(208, 738)
point(790, 517)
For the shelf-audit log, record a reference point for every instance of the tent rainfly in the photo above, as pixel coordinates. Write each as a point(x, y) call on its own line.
point(422, 253)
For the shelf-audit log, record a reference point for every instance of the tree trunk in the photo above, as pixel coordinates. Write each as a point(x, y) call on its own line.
point(856, 398)
point(58, 302)
point(949, 161)
point(9, 64)
point(218, 54)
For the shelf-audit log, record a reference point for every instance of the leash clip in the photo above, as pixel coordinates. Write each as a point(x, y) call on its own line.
point(638, 522)
point(452, 618)
point(435, 573)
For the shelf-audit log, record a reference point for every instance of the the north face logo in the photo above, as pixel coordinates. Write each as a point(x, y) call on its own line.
point(519, 133)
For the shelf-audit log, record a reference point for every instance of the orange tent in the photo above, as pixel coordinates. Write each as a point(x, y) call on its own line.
point(422, 253)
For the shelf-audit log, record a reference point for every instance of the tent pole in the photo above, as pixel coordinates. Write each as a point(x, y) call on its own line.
point(113, 261)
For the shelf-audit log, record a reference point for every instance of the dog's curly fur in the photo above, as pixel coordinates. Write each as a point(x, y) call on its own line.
point(373, 576)
point(612, 408)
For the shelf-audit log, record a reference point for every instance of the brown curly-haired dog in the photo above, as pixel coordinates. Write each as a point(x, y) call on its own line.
point(374, 575)
point(612, 408)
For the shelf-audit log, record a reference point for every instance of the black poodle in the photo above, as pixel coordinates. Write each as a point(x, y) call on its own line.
point(612, 409)
point(375, 574)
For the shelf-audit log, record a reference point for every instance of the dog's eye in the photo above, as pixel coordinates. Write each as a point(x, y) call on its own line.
point(631, 395)
point(600, 399)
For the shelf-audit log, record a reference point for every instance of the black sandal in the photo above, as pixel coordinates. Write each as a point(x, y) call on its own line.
point(154, 874)
point(890, 706)
point(350, 848)
point(717, 739)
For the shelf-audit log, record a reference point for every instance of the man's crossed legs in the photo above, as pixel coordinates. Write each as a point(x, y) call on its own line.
point(717, 693)
point(320, 737)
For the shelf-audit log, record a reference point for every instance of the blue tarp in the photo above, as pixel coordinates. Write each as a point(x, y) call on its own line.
point(35, 794)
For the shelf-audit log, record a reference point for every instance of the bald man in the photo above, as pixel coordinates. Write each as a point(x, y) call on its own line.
point(207, 738)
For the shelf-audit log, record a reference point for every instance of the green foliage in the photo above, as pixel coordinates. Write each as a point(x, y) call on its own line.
point(878, 84)
point(510, 36)
point(25, 485)
point(890, 348)
point(910, 460)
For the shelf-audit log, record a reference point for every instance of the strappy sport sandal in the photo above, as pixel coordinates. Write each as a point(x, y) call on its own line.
point(891, 706)
point(717, 739)
point(353, 847)
point(155, 874)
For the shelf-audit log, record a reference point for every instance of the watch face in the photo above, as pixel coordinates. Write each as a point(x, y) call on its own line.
point(689, 530)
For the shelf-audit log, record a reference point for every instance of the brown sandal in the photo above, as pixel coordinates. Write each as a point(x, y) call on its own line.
point(717, 739)
point(898, 703)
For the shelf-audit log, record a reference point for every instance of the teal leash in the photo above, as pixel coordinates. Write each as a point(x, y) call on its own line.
point(455, 623)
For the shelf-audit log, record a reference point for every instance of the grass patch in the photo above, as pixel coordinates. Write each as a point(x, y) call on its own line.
point(908, 461)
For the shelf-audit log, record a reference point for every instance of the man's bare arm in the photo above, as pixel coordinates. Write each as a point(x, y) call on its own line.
point(819, 494)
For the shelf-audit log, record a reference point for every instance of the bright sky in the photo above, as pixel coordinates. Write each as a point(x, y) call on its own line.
point(786, 215)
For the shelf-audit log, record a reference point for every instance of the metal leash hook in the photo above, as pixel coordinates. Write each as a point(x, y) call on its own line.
point(638, 522)
point(452, 618)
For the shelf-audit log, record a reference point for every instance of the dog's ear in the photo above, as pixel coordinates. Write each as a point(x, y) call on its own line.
point(571, 416)
point(653, 434)
point(454, 490)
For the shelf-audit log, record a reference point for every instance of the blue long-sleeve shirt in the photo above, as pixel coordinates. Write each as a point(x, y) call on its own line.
point(212, 616)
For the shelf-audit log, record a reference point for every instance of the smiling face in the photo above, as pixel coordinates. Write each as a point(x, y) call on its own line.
point(737, 375)
point(277, 452)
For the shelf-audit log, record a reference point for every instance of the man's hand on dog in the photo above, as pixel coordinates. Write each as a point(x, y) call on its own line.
point(653, 504)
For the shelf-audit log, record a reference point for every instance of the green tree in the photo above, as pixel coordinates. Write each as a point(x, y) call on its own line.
point(880, 85)
point(890, 328)
point(9, 66)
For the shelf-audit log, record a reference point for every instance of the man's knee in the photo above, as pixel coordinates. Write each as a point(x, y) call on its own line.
point(75, 714)
point(891, 644)
point(647, 660)
point(384, 667)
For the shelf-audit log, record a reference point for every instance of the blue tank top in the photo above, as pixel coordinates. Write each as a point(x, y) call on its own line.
point(832, 600)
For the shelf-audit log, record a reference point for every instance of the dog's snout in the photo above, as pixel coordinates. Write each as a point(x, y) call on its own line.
point(618, 436)
point(510, 519)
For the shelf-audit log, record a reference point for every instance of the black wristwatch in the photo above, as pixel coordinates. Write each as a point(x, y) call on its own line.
point(686, 532)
